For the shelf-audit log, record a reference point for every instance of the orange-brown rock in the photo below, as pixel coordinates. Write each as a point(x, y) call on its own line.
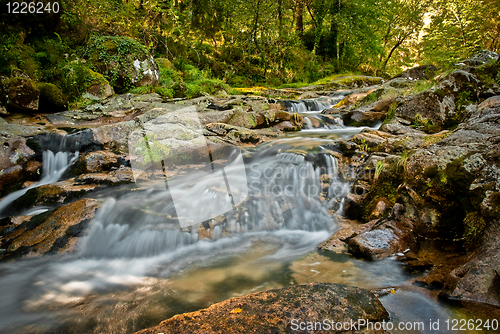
point(50, 232)
point(272, 311)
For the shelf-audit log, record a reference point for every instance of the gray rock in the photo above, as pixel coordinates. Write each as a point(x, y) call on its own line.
point(481, 58)
point(438, 104)
point(418, 73)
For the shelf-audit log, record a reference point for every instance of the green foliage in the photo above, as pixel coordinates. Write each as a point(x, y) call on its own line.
point(113, 57)
point(391, 112)
point(458, 29)
point(378, 169)
point(363, 146)
point(78, 78)
point(402, 161)
point(425, 124)
point(248, 42)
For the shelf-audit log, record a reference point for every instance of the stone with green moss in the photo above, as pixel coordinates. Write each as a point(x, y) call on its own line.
point(123, 61)
point(22, 93)
point(51, 97)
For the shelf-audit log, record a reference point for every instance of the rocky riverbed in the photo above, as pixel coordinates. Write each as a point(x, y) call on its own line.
point(424, 187)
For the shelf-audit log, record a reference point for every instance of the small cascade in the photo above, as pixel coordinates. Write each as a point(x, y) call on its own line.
point(308, 123)
point(320, 121)
point(284, 194)
point(312, 105)
point(54, 165)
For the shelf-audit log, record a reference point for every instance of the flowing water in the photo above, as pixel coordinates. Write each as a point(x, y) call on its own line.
point(54, 165)
point(137, 267)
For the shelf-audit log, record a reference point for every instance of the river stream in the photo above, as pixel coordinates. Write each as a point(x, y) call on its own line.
point(137, 267)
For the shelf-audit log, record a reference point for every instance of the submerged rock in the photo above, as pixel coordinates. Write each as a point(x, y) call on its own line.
point(272, 311)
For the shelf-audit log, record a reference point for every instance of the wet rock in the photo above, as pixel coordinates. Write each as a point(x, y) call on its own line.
point(210, 116)
point(363, 118)
point(234, 133)
point(113, 178)
point(423, 72)
point(50, 232)
point(17, 163)
point(399, 126)
point(50, 194)
point(353, 206)
point(338, 241)
point(286, 126)
point(81, 141)
point(98, 161)
point(272, 311)
point(372, 138)
point(387, 237)
point(100, 90)
point(243, 119)
point(347, 147)
point(380, 208)
point(353, 98)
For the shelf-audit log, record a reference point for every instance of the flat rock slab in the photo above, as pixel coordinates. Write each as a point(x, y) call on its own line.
point(272, 311)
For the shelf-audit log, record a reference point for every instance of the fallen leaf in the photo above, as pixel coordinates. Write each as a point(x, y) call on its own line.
point(236, 310)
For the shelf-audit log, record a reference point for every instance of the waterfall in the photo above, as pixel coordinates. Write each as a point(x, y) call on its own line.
point(312, 105)
point(284, 194)
point(54, 165)
point(308, 122)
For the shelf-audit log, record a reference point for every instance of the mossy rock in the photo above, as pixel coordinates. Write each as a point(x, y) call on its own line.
point(52, 98)
point(123, 61)
point(22, 93)
point(164, 63)
point(80, 79)
point(474, 225)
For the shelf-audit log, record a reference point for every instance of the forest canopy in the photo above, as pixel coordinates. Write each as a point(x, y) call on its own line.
point(248, 42)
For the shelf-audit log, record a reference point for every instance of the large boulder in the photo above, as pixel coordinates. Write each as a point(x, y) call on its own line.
point(52, 98)
point(89, 83)
point(124, 61)
point(21, 93)
point(17, 159)
point(274, 311)
point(436, 108)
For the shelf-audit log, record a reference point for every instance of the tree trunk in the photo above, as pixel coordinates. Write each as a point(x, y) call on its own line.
point(299, 27)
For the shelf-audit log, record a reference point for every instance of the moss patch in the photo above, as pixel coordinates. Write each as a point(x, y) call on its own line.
point(474, 225)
